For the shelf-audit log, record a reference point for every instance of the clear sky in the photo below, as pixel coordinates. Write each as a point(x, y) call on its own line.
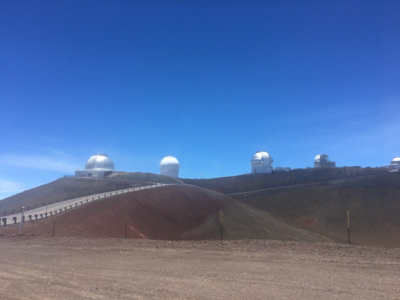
point(209, 82)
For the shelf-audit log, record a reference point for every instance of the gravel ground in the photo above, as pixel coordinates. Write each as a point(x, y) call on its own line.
point(77, 268)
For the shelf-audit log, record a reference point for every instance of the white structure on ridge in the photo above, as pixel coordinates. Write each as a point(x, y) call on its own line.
point(98, 165)
point(395, 163)
point(169, 166)
point(281, 169)
point(261, 162)
point(322, 161)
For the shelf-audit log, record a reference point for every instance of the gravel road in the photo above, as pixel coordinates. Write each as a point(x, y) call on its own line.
point(77, 268)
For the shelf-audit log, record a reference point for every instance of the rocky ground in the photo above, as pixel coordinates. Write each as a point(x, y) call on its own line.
point(77, 268)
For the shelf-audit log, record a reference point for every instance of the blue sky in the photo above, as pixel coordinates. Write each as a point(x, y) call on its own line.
point(210, 82)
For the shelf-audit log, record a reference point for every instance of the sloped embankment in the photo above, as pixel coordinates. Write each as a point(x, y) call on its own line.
point(180, 212)
point(251, 182)
point(373, 202)
point(72, 187)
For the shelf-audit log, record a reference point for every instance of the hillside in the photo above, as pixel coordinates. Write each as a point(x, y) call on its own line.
point(143, 177)
point(251, 182)
point(297, 205)
point(373, 202)
point(72, 187)
point(180, 212)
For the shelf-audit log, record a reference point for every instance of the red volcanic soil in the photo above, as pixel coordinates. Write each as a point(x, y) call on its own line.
point(179, 212)
point(154, 213)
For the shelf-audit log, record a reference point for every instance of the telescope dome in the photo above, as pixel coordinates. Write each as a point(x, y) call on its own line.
point(322, 161)
point(261, 162)
point(262, 157)
point(321, 158)
point(100, 161)
point(395, 161)
point(169, 166)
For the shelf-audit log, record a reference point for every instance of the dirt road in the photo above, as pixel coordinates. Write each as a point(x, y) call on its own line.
point(73, 268)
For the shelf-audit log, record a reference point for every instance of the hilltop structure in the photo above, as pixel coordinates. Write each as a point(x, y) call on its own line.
point(261, 162)
point(98, 165)
point(395, 163)
point(281, 169)
point(322, 161)
point(169, 166)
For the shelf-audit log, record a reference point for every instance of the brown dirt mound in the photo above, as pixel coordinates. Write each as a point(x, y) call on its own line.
point(169, 212)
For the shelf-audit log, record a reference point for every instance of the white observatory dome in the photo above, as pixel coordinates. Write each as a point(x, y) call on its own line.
point(321, 158)
point(395, 161)
point(322, 161)
point(261, 162)
point(100, 161)
point(169, 166)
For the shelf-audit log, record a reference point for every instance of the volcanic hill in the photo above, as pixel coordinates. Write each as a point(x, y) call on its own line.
point(72, 187)
point(373, 202)
point(307, 204)
point(251, 182)
point(177, 212)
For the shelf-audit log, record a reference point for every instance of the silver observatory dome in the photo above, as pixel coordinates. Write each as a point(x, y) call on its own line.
point(261, 162)
point(321, 158)
point(262, 157)
point(322, 161)
point(100, 161)
point(395, 161)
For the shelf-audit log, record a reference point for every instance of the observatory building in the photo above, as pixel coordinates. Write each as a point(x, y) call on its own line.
point(322, 161)
point(261, 162)
point(169, 166)
point(395, 163)
point(98, 165)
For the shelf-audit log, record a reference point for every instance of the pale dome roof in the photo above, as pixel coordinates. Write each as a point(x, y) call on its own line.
point(262, 157)
point(322, 157)
point(169, 160)
point(100, 161)
point(396, 160)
